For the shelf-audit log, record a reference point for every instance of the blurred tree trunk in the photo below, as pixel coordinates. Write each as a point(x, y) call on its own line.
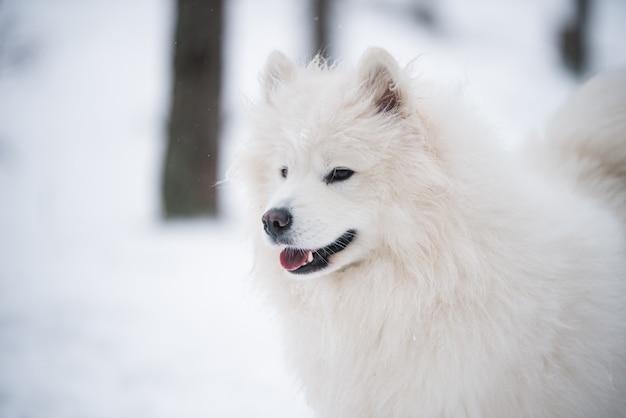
point(321, 15)
point(573, 39)
point(424, 12)
point(190, 169)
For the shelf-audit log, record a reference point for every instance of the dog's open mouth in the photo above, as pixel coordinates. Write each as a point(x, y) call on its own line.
point(301, 261)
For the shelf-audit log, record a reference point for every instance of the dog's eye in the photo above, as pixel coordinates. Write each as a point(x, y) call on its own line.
point(284, 172)
point(338, 174)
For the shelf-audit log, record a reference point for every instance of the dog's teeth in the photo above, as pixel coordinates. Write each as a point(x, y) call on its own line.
point(310, 257)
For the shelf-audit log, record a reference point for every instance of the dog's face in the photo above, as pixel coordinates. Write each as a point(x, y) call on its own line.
point(318, 212)
point(318, 169)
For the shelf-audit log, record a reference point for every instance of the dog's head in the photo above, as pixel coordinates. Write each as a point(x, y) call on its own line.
point(329, 149)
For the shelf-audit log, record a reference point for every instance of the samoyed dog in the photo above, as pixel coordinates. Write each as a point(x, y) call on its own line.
point(418, 270)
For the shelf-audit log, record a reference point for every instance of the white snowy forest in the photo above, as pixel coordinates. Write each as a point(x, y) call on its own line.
point(107, 310)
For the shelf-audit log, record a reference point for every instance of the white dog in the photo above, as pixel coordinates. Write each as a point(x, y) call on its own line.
point(421, 273)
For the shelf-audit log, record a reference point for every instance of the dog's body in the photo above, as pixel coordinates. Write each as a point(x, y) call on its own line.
point(418, 271)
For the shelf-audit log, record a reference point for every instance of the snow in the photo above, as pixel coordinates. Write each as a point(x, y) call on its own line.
point(107, 311)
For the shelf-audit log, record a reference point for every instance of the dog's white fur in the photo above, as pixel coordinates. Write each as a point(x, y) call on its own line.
point(477, 285)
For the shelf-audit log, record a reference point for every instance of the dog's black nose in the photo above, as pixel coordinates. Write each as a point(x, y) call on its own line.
point(276, 222)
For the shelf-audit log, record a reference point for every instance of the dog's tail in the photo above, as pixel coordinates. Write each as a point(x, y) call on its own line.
point(588, 137)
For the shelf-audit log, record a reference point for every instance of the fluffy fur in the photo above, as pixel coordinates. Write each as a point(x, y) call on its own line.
point(476, 285)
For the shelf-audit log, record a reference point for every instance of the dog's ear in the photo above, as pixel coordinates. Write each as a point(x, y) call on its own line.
point(381, 79)
point(278, 70)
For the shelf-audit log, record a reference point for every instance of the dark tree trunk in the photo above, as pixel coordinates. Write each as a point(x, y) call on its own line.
point(190, 170)
point(573, 38)
point(321, 15)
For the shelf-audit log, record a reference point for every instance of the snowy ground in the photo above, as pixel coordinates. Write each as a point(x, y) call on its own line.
point(105, 311)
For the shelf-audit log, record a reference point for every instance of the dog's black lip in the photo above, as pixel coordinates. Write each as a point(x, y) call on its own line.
point(321, 256)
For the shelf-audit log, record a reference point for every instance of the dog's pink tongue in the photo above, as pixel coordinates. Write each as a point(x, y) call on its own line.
point(292, 259)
